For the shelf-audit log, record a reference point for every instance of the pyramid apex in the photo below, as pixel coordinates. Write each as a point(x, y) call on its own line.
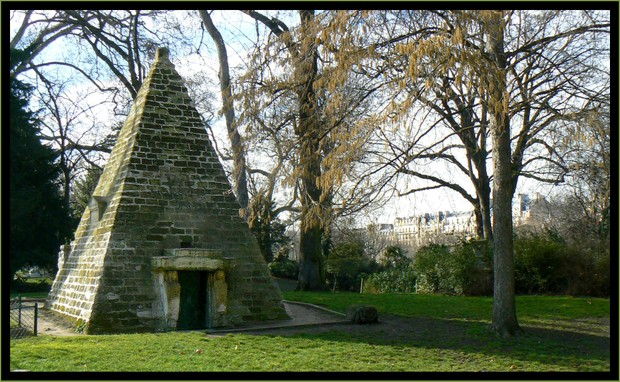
point(162, 54)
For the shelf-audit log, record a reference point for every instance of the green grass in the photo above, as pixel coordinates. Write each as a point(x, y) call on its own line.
point(38, 280)
point(443, 333)
point(474, 308)
point(30, 294)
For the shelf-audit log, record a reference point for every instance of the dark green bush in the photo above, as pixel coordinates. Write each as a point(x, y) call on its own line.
point(398, 275)
point(434, 269)
point(540, 263)
point(599, 280)
point(591, 269)
point(347, 265)
point(401, 279)
point(476, 259)
point(269, 231)
point(461, 269)
point(546, 263)
point(394, 257)
point(284, 267)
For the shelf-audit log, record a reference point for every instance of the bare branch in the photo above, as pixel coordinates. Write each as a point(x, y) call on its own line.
point(81, 71)
point(22, 29)
point(540, 43)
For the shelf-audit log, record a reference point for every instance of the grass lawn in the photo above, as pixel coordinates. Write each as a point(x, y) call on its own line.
point(30, 295)
point(418, 333)
point(539, 310)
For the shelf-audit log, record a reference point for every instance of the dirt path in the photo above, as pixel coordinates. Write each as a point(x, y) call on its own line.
point(50, 324)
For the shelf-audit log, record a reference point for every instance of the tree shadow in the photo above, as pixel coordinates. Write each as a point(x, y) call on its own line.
point(560, 348)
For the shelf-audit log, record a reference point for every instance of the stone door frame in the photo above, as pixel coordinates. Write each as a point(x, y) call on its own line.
point(168, 288)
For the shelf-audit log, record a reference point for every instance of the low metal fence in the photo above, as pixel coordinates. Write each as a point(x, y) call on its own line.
point(24, 317)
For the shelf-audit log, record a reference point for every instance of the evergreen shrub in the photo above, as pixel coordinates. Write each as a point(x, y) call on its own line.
point(392, 280)
point(545, 263)
point(449, 270)
point(20, 285)
point(284, 267)
point(397, 276)
point(347, 265)
point(540, 263)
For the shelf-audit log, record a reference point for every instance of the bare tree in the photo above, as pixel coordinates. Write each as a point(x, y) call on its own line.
point(37, 30)
point(588, 156)
point(120, 40)
point(228, 109)
point(116, 39)
point(70, 125)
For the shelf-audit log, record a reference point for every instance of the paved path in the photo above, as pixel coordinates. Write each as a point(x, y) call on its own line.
point(301, 314)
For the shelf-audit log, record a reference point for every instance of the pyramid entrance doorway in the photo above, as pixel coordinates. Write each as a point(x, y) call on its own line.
point(192, 287)
point(195, 311)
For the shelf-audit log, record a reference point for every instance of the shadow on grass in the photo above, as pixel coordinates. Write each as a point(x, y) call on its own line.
point(560, 348)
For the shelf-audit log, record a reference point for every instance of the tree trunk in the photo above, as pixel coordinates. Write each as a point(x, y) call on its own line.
point(504, 307)
point(308, 133)
point(478, 217)
point(482, 208)
point(311, 273)
point(66, 180)
point(485, 211)
point(239, 168)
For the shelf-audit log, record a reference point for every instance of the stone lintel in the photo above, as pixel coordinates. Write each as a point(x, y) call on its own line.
point(186, 263)
point(194, 252)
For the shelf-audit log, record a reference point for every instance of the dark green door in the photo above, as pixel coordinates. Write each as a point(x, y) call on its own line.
point(193, 304)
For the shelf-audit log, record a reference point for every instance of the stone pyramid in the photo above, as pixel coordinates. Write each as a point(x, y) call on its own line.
point(161, 245)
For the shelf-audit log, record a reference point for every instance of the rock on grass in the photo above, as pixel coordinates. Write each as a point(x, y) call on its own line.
point(362, 314)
